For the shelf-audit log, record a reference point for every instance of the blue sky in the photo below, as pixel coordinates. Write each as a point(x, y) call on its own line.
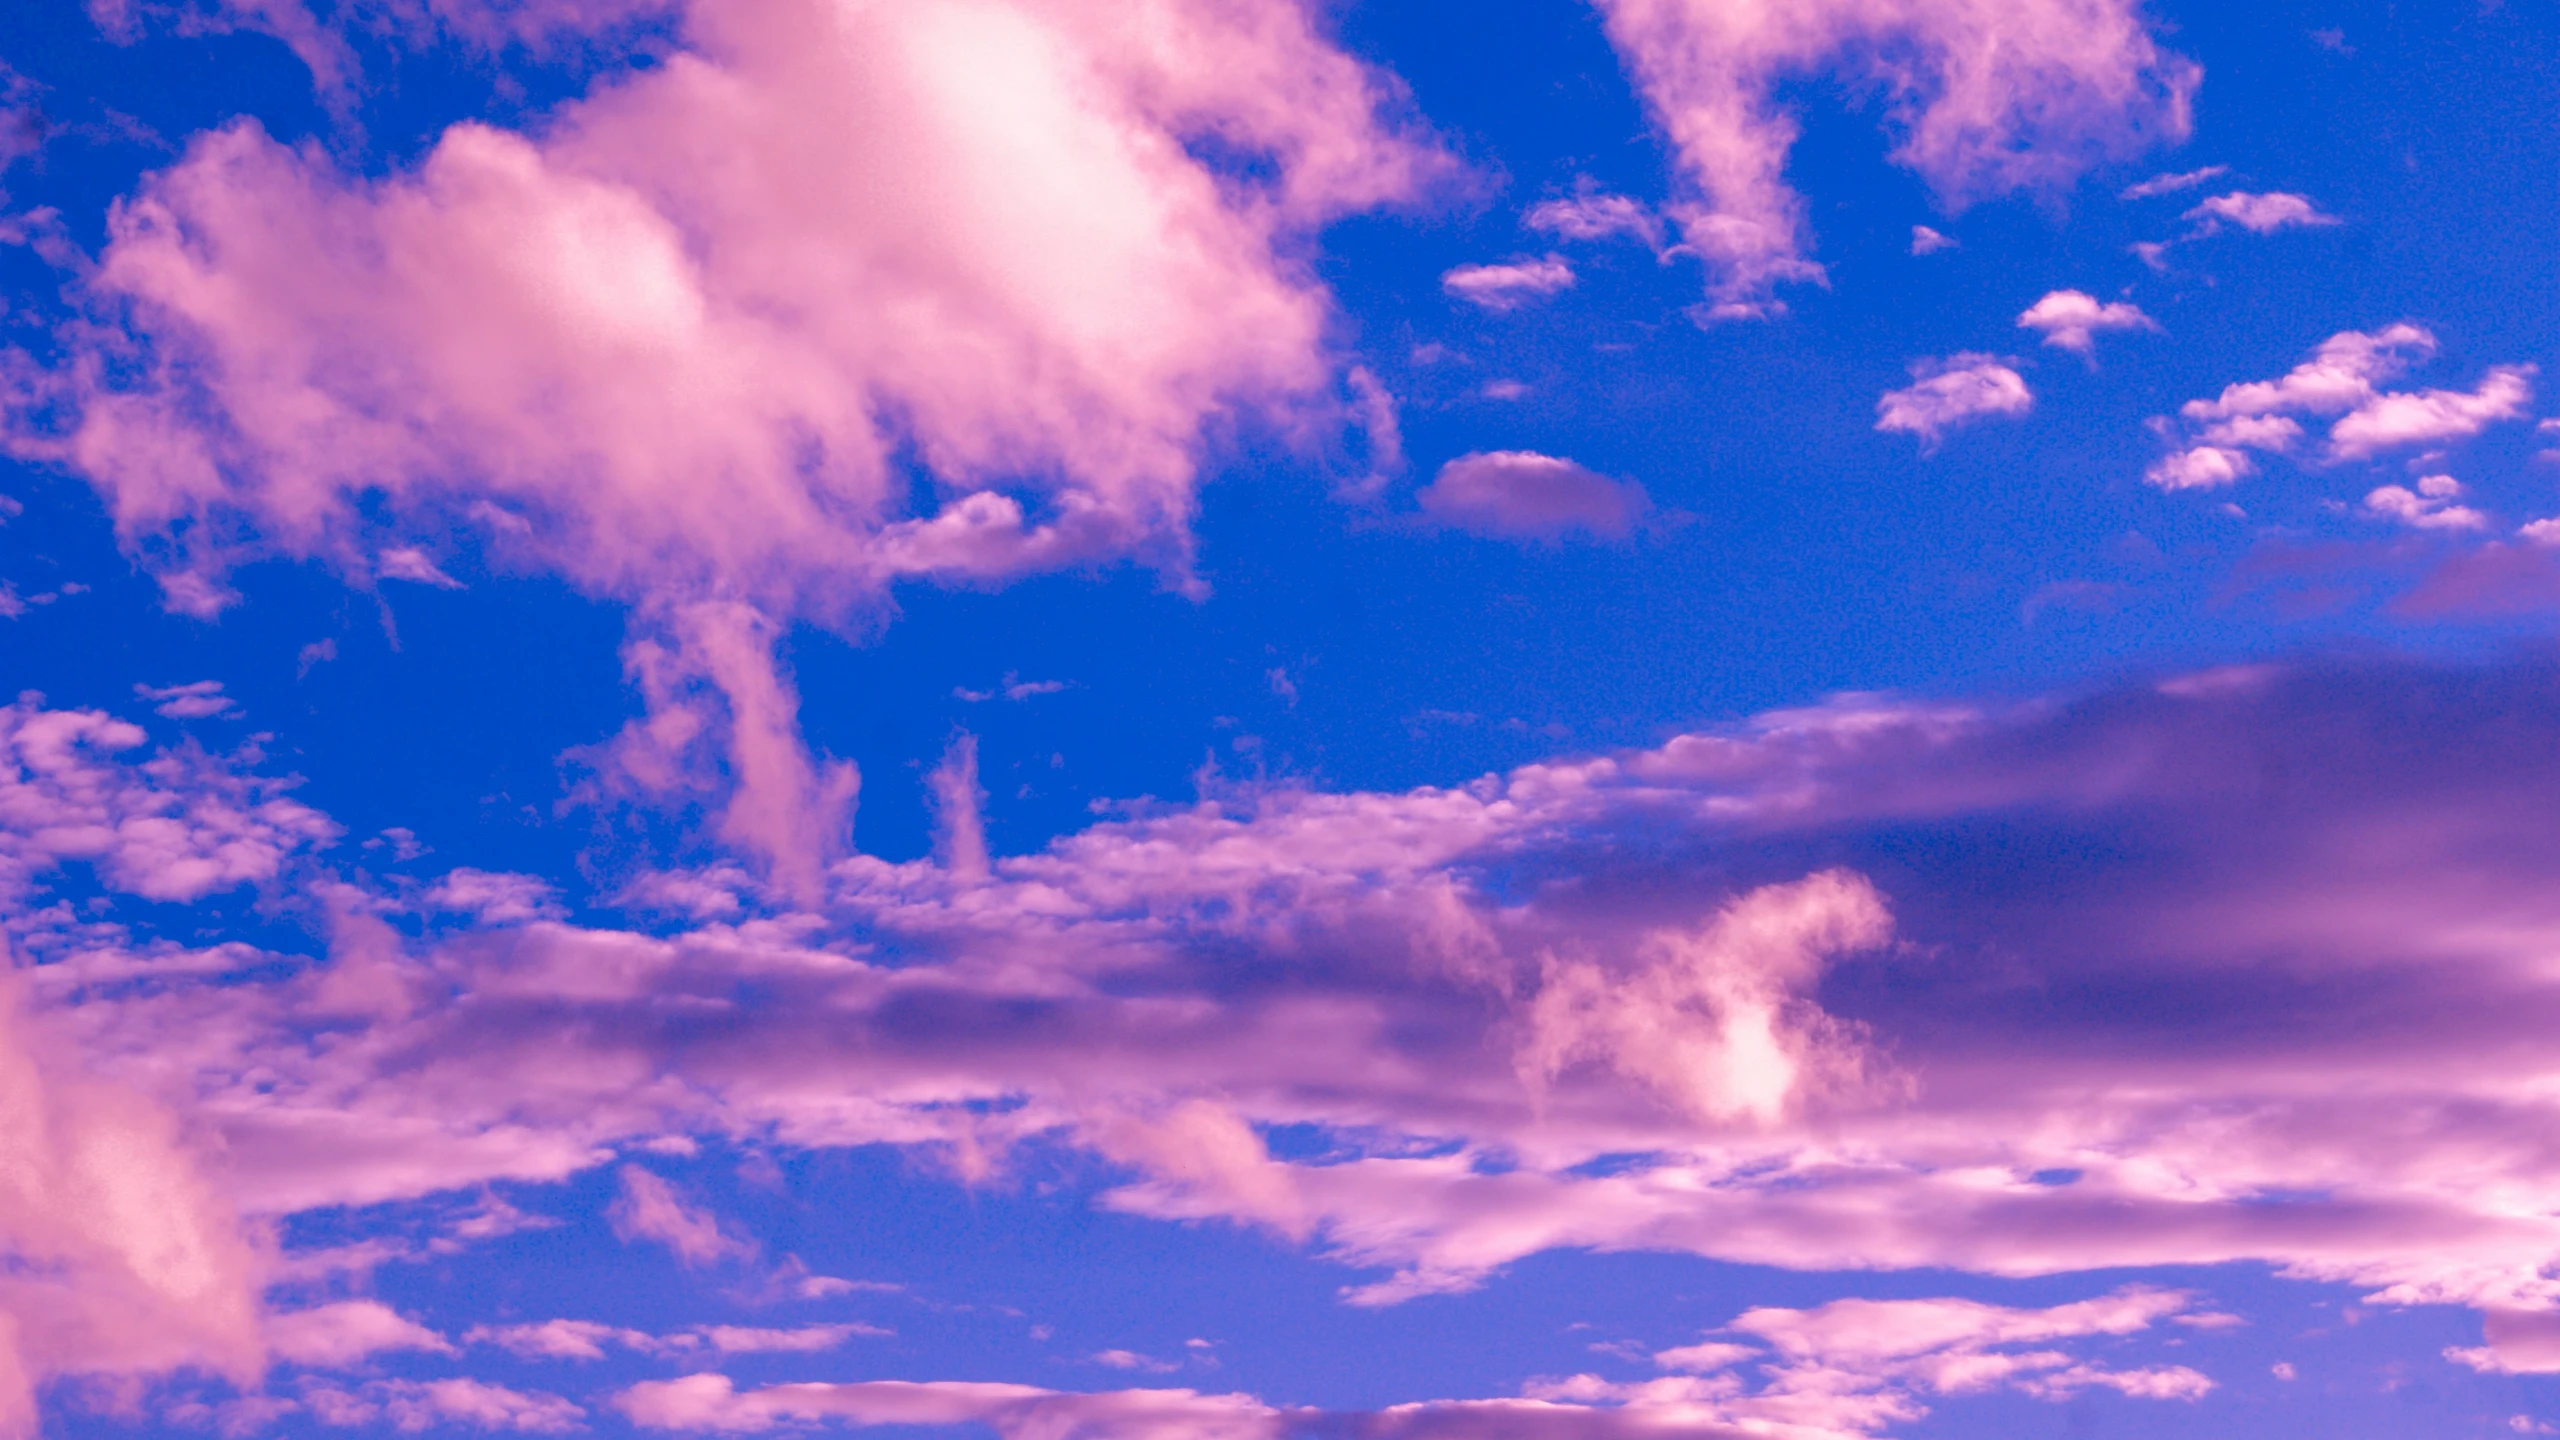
point(1246, 714)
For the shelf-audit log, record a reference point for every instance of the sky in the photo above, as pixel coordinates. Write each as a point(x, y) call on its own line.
point(1254, 719)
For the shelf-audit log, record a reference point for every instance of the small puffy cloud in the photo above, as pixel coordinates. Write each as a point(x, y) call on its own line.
point(1955, 391)
point(1993, 98)
point(2259, 213)
point(1520, 494)
point(202, 700)
point(413, 1405)
point(650, 1209)
point(2170, 184)
point(411, 564)
point(2344, 378)
point(2429, 507)
point(1508, 286)
point(494, 898)
point(2072, 319)
point(344, 1333)
point(1595, 216)
point(2200, 467)
point(2432, 417)
point(1925, 241)
point(557, 1339)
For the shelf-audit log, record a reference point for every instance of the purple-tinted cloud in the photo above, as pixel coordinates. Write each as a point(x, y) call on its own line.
point(1520, 494)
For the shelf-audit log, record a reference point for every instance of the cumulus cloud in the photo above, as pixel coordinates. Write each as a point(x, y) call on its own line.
point(1925, 241)
point(201, 700)
point(2258, 213)
point(1368, 966)
point(121, 1257)
point(650, 1209)
point(1596, 215)
point(2171, 183)
point(1520, 494)
point(977, 240)
point(2344, 379)
point(1985, 99)
point(414, 1405)
point(2429, 507)
point(346, 1332)
point(1955, 391)
point(1511, 285)
point(2072, 319)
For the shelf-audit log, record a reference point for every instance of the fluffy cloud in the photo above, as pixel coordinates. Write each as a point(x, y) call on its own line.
point(1509, 286)
point(976, 233)
point(2258, 213)
point(1596, 215)
point(1985, 99)
point(1676, 953)
point(1842, 1371)
point(2429, 507)
point(1524, 495)
point(2344, 378)
point(2072, 319)
point(1955, 391)
point(2172, 183)
point(346, 1332)
point(650, 1209)
point(117, 1257)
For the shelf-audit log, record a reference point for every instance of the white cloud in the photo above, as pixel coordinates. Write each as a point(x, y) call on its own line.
point(2258, 213)
point(1955, 391)
point(1925, 241)
point(1520, 494)
point(2170, 184)
point(2429, 507)
point(1596, 216)
point(2071, 319)
point(1508, 286)
point(346, 1332)
point(201, 700)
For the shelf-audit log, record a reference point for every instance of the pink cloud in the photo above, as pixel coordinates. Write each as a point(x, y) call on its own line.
point(1987, 100)
point(346, 1332)
point(2343, 378)
point(2429, 507)
point(2259, 213)
point(1522, 494)
point(1508, 286)
point(1596, 215)
point(2370, 915)
point(650, 1209)
point(1956, 391)
point(611, 352)
point(2073, 319)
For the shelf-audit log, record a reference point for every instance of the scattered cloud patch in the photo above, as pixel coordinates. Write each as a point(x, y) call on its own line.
point(1520, 494)
point(2261, 213)
point(2072, 320)
point(1509, 286)
point(1596, 215)
point(1958, 390)
point(201, 700)
point(2428, 507)
point(1925, 241)
point(2171, 184)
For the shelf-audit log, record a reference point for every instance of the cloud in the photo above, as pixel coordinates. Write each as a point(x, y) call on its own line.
point(2072, 319)
point(178, 826)
point(414, 1405)
point(2258, 213)
point(1520, 494)
point(1509, 286)
point(2429, 507)
point(1925, 241)
point(1596, 215)
point(650, 1209)
point(493, 898)
point(1985, 100)
point(122, 1258)
point(587, 1339)
point(2170, 184)
point(2067, 876)
point(1956, 391)
point(2343, 378)
point(346, 1332)
point(202, 700)
point(606, 350)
